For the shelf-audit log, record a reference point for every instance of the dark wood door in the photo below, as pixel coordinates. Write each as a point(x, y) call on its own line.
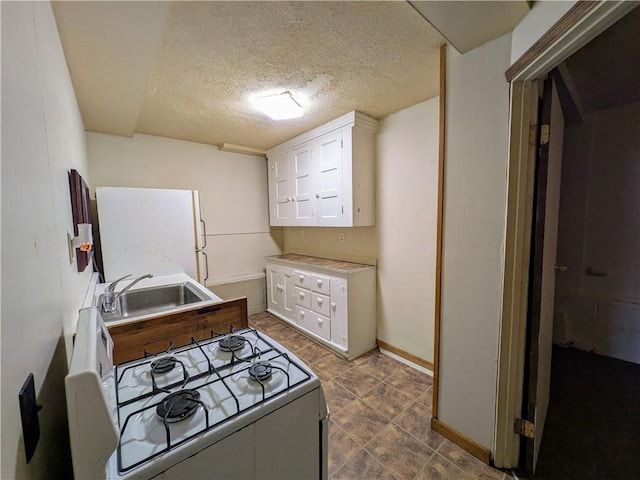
point(542, 271)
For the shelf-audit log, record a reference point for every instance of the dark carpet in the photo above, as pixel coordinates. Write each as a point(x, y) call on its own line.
point(592, 430)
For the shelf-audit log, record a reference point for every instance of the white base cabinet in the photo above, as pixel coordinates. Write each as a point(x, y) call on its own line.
point(331, 301)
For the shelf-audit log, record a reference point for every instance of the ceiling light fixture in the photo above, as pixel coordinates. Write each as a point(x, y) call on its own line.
point(280, 106)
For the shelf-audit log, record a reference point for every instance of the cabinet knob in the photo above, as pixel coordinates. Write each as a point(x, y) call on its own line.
point(301, 295)
point(319, 283)
point(319, 301)
point(301, 277)
point(333, 306)
point(320, 321)
point(302, 313)
point(317, 195)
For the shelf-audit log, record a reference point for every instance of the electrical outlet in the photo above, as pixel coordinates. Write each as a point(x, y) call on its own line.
point(301, 234)
point(341, 237)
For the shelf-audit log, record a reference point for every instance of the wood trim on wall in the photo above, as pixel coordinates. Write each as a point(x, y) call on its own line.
point(461, 440)
point(438, 282)
point(406, 355)
point(562, 26)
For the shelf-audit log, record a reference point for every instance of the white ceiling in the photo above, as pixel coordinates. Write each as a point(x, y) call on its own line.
point(185, 70)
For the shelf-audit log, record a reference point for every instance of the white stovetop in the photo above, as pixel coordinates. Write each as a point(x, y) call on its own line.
point(96, 289)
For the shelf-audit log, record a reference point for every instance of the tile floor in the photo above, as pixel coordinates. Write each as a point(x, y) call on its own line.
point(380, 416)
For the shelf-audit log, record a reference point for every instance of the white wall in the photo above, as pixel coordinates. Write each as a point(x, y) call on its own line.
point(543, 15)
point(233, 193)
point(473, 237)
point(600, 229)
point(403, 240)
point(407, 196)
point(42, 138)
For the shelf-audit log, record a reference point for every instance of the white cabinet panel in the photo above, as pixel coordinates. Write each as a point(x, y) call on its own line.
point(280, 189)
point(303, 297)
point(275, 288)
point(330, 177)
point(314, 323)
point(302, 279)
point(329, 196)
point(288, 294)
point(321, 304)
point(280, 289)
point(339, 312)
point(304, 181)
point(335, 307)
point(320, 284)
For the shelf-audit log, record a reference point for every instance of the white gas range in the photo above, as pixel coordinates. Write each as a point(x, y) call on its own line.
point(236, 406)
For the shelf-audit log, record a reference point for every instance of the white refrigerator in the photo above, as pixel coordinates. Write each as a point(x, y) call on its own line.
point(149, 230)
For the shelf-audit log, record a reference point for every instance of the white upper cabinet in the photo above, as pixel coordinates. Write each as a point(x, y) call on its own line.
point(329, 198)
point(304, 185)
point(281, 199)
point(325, 177)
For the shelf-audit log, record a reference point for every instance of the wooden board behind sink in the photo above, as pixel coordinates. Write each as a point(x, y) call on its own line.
point(156, 334)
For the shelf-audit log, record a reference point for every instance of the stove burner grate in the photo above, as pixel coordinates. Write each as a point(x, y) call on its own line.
point(178, 405)
point(260, 371)
point(232, 343)
point(163, 365)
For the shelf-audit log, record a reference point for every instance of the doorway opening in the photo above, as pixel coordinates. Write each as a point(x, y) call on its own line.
point(596, 230)
point(597, 267)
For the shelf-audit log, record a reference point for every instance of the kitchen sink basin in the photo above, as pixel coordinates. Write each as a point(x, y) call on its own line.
point(144, 301)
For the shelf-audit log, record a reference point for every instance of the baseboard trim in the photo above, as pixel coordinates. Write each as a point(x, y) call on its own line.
point(406, 355)
point(461, 440)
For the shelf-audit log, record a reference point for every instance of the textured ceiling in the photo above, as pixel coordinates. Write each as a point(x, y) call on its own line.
point(186, 69)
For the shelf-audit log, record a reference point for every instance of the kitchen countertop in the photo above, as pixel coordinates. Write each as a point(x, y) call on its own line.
point(96, 289)
point(325, 263)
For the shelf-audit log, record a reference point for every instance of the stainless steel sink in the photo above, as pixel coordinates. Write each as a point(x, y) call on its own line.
point(144, 301)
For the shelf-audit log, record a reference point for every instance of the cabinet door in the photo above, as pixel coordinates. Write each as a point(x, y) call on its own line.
point(275, 289)
point(304, 185)
point(289, 299)
point(280, 189)
point(329, 174)
point(339, 331)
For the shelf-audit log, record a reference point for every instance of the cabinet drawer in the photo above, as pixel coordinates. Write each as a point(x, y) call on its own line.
point(320, 284)
point(302, 279)
point(320, 304)
point(303, 297)
point(314, 323)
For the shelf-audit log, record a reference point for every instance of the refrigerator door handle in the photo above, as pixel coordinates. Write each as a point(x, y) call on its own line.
point(206, 266)
point(204, 235)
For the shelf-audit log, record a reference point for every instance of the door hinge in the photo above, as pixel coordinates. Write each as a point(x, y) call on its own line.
point(526, 428)
point(343, 209)
point(544, 134)
point(341, 144)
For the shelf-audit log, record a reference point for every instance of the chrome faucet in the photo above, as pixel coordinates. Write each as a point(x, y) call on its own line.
point(109, 299)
